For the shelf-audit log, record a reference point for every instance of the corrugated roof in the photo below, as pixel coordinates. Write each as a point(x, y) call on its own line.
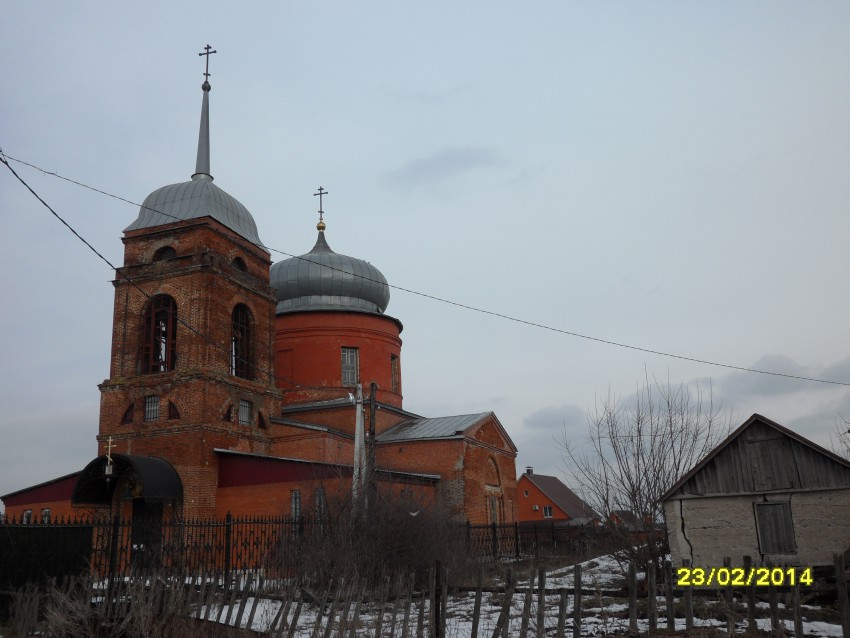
point(443, 427)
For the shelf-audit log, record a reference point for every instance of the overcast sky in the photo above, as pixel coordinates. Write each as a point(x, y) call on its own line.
point(667, 175)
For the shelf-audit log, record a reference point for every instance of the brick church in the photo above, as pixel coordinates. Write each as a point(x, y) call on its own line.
point(235, 383)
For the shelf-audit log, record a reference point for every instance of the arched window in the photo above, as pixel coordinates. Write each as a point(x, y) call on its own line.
point(240, 264)
point(159, 342)
point(166, 252)
point(240, 342)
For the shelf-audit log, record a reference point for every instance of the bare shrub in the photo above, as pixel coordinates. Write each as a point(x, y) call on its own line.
point(396, 534)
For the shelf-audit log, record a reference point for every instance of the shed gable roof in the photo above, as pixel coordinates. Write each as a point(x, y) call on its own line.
point(763, 456)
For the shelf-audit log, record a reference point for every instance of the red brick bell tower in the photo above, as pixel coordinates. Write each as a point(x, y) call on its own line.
point(192, 347)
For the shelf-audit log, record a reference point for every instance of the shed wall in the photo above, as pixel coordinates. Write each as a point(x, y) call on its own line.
point(706, 530)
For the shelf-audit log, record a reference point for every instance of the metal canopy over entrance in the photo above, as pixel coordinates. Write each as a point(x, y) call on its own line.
point(146, 477)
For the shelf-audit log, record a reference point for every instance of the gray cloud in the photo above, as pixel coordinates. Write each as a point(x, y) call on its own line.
point(442, 166)
point(838, 371)
point(743, 384)
point(540, 439)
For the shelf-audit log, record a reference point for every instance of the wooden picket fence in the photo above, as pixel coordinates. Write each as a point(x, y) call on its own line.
point(398, 610)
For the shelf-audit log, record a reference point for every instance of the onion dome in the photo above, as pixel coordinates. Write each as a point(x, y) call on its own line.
point(198, 197)
point(325, 280)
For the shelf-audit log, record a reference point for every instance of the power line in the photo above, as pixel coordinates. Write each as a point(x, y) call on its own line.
point(457, 304)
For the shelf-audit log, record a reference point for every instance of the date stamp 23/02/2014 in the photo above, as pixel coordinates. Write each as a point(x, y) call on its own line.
point(743, 577)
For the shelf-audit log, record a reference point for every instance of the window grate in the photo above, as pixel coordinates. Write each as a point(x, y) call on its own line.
point(152, 408)
point(350, 367)
point(240, 343)
point(245, 412)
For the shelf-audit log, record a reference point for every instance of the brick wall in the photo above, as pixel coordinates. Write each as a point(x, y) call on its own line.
point(307, 350)
point(526, 504)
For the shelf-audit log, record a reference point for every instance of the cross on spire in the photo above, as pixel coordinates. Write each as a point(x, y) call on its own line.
point(207, 53)
point(322, 192)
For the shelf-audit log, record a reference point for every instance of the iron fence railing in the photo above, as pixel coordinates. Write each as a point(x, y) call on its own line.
point(219, 548)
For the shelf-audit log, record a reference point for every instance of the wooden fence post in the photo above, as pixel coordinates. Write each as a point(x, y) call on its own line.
point(632, 598)
point(495, 541)
point(689, 600)
point(577, 602)
point(562, 614)
point(526, 605)
point(751, 594)
point(476, 609)
point(541, 602)
point(730, 598)
point(841, 591)
point(435, 612)
point(651, 608)
point(670, 584)
point(774, 603)
point(798, 617)
point(504, 618)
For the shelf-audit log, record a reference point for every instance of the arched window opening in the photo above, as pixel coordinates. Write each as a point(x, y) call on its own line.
point(166, 252)
point(240, 264)
point(228, 414)
point(128, 415)
point(491, 476)
point(173, 412)
point(240, 343)
point(159, 351)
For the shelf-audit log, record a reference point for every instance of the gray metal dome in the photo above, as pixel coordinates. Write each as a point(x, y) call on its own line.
point(192, 200)
point(198, 197)
point(324, 280)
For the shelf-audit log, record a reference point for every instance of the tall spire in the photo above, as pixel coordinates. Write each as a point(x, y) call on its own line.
point(202, 164)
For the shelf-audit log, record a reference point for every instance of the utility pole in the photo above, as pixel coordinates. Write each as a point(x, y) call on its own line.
point(360, 472)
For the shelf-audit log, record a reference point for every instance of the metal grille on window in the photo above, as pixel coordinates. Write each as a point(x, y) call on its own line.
point(240, 342)
point(160, 338)
point(350, 367)
point(151, 408)
point(245, 410)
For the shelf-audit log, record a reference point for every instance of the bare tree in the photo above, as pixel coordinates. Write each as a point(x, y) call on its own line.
point(636, 451)
point(839, 442)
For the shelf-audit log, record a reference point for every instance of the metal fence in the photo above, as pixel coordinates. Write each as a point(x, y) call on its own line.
point(220, 548)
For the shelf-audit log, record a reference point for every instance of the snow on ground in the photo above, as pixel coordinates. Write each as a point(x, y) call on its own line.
point(598, 619)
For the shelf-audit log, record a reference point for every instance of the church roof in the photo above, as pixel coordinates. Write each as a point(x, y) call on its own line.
point(325, 280)
point(198, 197)
point(442, 427)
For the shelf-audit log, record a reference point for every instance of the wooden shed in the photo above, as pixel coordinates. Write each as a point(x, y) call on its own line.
point(764, 492)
